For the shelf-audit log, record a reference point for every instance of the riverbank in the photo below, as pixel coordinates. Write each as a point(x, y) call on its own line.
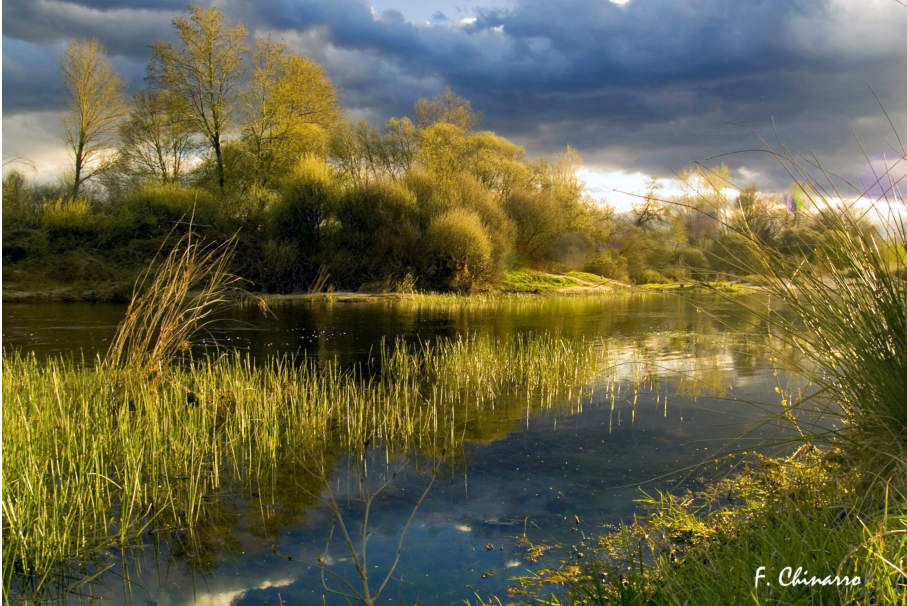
point(522, 282)
point(812, 528)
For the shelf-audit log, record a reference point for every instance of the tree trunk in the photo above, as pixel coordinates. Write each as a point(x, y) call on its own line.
point(78, 172)
point(219, 158)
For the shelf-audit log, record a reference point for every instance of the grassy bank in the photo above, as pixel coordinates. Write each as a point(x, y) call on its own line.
point(817, 511)
point(95, 456)
point(512, 283)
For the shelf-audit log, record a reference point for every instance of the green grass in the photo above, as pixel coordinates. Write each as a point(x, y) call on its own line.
point(588, 277)
point(94, 456)
point(810, 511)
point(713, 286)
point(531, 281)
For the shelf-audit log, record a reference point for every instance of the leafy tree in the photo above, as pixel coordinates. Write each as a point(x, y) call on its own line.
point(359, 152)
point(755, 217)
point(499, 164)
point(156, 138)
point(650, 212)
point(401, 144)
point(205, 73)
point(364, 154)
point(448, 108)
point(290, 106)
point(443, 149)
point(95, 105)
point(548, 208)
point(702, 209)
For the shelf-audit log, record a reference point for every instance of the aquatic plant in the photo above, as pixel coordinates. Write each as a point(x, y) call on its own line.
point(94, 455)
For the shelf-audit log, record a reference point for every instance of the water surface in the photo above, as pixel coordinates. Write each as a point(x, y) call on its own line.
point(688, 364)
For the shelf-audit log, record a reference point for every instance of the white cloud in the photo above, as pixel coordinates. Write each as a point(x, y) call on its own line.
point(33, 145)
point(622, 189)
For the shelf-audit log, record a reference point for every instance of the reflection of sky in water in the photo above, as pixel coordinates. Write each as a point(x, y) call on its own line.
point(536, 473)
point(543, 473)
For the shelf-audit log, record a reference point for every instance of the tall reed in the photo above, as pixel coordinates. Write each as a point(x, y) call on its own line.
point(174, 298)
point(845, 309)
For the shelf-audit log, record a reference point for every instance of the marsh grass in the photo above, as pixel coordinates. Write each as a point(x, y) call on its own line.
point(175, 297)
point(95, 456)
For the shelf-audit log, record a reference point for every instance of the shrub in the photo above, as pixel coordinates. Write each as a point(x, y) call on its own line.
point(424, 187)
point(278, 268)
point(649, 276)
point(75, 265)
point(68, 216)
point(308, 200)
point(378, 231)
point(538, 222)
point(19, 244)
point(20, 205)
point(694, 260)
point(461, 249)
point(155, 209)
point(470, 194)
point(608, 264)
point(733, 253)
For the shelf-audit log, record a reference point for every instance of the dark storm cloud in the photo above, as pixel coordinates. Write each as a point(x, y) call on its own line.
point(125, 28)
point(651, 85)
point(654, 84)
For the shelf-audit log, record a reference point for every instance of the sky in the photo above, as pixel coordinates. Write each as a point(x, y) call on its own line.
point(639, 87)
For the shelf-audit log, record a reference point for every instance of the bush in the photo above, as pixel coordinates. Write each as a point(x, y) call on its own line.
point(461, 249)
point(68, 216)
point(301, 218)
point(155, 209)
point(377, 234)
point(20, 205)
point(75, 265)
point(734, 254)
point(470, 194)
point(608, 264)
point(19, 244)
point(693, 259)
point(278, 268)
point(649, 276)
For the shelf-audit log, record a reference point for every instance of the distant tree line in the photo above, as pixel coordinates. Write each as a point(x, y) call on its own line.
point(249, 138)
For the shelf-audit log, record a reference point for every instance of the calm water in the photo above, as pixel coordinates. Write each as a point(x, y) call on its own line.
point(556, 476)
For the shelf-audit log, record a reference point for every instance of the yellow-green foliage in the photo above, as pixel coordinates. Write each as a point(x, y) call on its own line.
point(609, 264)
point(462, 247)
point(313, 170)
point(813, 511)
point(307, 197)
point(93, 455)
point(469, 193)
point(68, 215)
point(536, 281)
point(155, 208)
